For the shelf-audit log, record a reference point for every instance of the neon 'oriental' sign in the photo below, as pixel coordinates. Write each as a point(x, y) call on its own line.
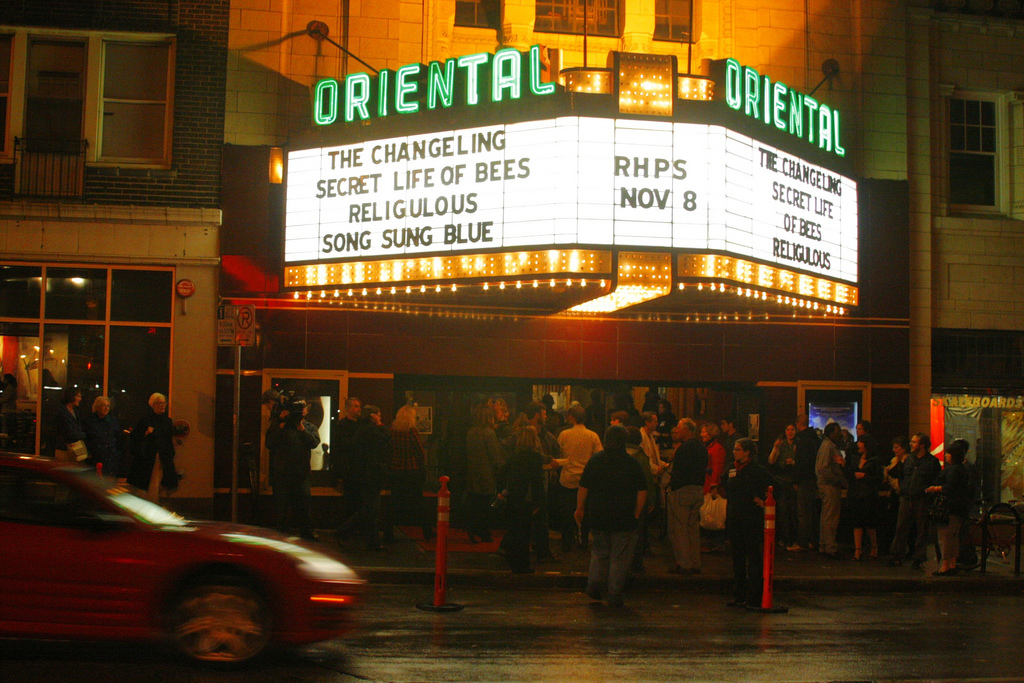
point(776, 104)
point(465, 80)
point(508, 75)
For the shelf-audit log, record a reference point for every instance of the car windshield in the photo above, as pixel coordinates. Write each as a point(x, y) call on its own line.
point(133, 506)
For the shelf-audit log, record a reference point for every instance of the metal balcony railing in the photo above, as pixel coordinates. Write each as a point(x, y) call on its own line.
point(49, 168)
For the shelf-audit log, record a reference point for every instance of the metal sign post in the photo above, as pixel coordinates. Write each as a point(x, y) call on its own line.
point(236, 326)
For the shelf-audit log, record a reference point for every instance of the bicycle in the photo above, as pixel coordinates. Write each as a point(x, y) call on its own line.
point(993, 535)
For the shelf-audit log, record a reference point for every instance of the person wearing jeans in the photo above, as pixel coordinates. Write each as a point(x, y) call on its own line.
point(612, 493)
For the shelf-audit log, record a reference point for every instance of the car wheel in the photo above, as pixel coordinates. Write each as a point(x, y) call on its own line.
point(220, 623)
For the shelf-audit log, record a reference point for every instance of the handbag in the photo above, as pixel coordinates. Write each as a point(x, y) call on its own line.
point(938, 511)
point(78, 449)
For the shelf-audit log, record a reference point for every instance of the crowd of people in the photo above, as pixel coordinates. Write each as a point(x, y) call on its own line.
point(647, 476)
point(894, 506)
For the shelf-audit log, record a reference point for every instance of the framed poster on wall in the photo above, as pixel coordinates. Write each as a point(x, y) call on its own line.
point(424, 419)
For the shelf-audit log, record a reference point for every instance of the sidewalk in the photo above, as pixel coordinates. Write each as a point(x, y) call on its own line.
point(404, 562)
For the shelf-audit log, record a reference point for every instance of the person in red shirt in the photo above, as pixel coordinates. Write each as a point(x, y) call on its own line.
point(716, 455)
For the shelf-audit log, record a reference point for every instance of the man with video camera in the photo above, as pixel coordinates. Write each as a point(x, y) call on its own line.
point(291, 440)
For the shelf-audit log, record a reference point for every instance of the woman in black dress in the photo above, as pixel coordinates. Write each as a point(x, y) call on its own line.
point(865, 477)
point(525, 478)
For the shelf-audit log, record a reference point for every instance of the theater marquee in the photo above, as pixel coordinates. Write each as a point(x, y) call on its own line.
point(571, 183)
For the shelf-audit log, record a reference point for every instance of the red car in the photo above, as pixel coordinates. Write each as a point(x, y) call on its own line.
point(82, 558)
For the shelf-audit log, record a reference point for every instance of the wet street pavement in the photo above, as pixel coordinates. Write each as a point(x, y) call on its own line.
point(557, 635)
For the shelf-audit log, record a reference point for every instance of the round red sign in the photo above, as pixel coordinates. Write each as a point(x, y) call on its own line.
point(185, 288)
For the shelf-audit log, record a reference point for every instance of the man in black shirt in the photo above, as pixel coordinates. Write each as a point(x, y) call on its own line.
point(345, 461)
point(612, 493)
point(806, 446)
point(685, 496)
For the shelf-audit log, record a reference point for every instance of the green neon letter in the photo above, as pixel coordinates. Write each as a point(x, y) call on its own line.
point(836, 147)
point(383, 83)
point(796, 113)
point(811, 105)
point(404, 85)
point(825, 128)
point(766, 91)
point(507, 73)
point(733, 84)
point(472, 64)
point(357, 94)
point(779, 91)
point(752, 92)
point(440, 83)
point(536, 87)
point(325, 102)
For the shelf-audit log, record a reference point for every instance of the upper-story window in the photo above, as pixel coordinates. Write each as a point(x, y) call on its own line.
point(107, 99)
point(973, 152)
point(135, 119)
point(5, 88)
point(478, 13)
point(567, 16)
point(672, 20)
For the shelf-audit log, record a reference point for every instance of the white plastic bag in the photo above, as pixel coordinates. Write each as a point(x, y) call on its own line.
point(712, 512)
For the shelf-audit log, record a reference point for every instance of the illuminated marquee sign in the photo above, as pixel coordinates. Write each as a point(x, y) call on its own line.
point(468, 80)
point(776, 104)
point(573, 180)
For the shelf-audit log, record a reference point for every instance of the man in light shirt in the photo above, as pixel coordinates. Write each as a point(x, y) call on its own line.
point(577, 444)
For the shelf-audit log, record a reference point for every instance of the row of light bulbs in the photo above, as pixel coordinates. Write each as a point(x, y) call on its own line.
point(721, 287)
point(796, 302)
point(408, 289)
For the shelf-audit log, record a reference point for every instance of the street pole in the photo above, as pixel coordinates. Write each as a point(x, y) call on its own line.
point(236, 407)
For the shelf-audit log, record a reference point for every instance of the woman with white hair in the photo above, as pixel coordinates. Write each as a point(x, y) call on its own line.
point(152, 442)
point(103, 437)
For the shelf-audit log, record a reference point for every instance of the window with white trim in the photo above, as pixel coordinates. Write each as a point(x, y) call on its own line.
point(109, 98)
point(973, 152)
point(135, 116)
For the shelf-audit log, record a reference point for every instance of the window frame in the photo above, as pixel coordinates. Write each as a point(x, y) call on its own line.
point(1001, 156)
point(668, 15)
point(101, 101)
point(480, 8)
point(616, 33)
point(92, 118)
point(104, 323)
point(6, 139)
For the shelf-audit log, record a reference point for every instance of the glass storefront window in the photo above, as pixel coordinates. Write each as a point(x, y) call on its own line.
point(141, 295)
point(76, 294)
point(19, 386)
point(71, 356)
point(143, 367)
point(80, 332)
point(19, 291)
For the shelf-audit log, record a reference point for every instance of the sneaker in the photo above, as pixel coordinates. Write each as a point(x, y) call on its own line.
point(593, 593)
point(616, 601)
point(795, 548)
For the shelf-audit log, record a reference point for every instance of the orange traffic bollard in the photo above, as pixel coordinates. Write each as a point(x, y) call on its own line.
point(769, 555)
point(444, 498)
